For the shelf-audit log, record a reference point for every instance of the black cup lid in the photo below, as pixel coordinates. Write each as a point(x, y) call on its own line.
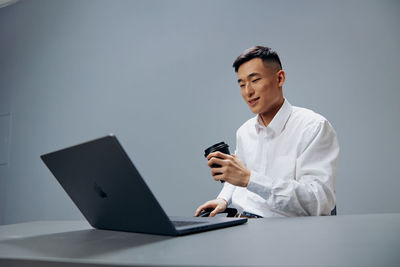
point(216, 147)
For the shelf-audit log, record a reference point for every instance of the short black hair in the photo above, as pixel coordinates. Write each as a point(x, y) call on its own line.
point(265, 53)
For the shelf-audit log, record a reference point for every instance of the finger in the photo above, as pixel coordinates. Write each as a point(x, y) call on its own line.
point(198, 212)
point(218, 154)
point(217, 161)
point(199, 209)
point(217, 171)
point(203, 207)
point(213, 213)
point(219, 177)
point(217, 210)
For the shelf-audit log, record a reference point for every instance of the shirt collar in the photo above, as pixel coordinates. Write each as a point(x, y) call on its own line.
point(278, 122)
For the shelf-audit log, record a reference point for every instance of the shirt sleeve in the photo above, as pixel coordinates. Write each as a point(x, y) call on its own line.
point(227, 192)
point(311, 192)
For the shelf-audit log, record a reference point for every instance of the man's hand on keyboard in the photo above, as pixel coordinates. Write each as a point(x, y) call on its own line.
point(219, 205)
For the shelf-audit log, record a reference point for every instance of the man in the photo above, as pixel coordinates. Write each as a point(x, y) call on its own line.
point(286, 157)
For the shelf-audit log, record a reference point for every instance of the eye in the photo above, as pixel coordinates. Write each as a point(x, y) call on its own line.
point(256, 80)
point(241, 85)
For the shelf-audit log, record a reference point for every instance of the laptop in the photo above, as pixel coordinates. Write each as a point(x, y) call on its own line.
point(111, 194)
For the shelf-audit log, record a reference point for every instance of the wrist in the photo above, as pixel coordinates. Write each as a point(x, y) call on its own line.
point(248, 175)
point(223, 200)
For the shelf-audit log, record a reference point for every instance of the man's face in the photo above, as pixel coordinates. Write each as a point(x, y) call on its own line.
point(261, 86)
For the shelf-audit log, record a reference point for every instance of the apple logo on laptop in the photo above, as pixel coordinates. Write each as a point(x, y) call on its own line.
point(99, 191)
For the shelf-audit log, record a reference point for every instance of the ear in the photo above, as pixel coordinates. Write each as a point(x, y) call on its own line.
point(281, 77)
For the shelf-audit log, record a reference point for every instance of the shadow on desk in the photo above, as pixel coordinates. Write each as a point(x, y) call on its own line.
point(40, 263)
point(82, 243)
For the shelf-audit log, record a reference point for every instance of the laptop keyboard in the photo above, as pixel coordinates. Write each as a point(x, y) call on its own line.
point(184, 223)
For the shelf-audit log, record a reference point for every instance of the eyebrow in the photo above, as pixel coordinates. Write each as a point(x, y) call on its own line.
point(249, 76)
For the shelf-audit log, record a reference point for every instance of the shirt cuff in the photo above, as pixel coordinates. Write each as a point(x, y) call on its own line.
point(260, 184)
point(226, 193)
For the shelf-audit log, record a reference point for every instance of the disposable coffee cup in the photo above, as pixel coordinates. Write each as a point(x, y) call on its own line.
point(221, 147)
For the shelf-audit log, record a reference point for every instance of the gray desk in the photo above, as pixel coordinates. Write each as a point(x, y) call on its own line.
point(352, 240)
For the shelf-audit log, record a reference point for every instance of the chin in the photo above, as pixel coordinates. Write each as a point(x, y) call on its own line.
point(255, 110)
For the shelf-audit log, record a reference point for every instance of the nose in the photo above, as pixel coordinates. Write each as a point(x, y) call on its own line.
point(249, 90)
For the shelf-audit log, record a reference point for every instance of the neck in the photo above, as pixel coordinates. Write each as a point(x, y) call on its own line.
point(270, 114)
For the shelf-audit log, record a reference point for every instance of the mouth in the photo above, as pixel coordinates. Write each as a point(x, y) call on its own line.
point(253, 101)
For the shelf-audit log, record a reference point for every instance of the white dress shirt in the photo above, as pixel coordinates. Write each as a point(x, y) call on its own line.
point(293, 164)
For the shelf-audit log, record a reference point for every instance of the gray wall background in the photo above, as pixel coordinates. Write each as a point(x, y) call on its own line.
point(158, 74)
